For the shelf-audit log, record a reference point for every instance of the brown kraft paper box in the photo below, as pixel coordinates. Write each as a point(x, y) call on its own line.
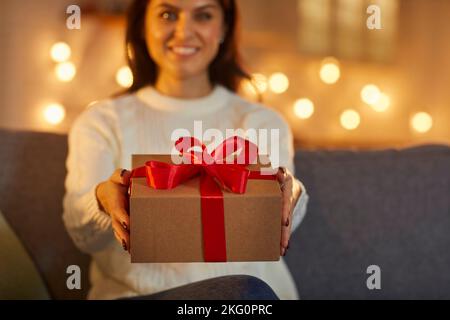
point(165, 225)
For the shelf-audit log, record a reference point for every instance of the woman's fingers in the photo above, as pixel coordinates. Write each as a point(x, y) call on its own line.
point(112, 197)
point(281, 175)
point(121, 215)
point(286, 222)
point(285, 235)
point(121, 176)
point(286, 184)
point(291, 193)
point(121, 234)
point(116, 204)
point(287, 199)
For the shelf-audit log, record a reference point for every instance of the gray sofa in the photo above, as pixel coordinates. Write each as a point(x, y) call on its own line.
point(388, 208)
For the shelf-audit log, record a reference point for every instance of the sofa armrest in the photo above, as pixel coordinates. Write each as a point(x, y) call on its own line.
point(19, 278)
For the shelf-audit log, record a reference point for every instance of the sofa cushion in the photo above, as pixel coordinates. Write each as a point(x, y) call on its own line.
point(31, 191)
point(388, 208)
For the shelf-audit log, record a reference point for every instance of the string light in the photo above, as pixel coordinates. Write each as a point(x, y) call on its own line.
point(54, 113)
point(422, 122)
point(65, 71)
point(382, 104)
point(303, 108)
point(330, 71)
point(350, 119)
point(124, 77)
point(60, 52)
point(249, 88)
point(260, 81)
point(370, 94)
point(278, 82)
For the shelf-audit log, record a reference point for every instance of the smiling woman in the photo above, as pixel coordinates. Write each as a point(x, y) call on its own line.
point(185, 63)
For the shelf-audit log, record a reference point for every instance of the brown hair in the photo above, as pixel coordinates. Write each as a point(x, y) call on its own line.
point(225, 69)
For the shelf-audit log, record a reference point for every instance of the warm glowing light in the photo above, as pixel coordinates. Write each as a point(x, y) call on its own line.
point(60, 52)
point(330, 71)
point(260, 81)
point(422, 122)
point(304, 108)
point(370, 94)
point(249, 88)
point(54, 113)
point(278, 82)
point(382, 104)
point(124, 77)
point(65, 71)
point(350, 119)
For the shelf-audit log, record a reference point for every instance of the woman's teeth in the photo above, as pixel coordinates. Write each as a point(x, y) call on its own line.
point(184, 51)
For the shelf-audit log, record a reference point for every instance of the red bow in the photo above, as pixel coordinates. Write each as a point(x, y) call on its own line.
point(216, 173)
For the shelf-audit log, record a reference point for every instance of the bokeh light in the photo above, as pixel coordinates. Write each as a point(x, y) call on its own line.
point(260, 82)
point(65, 71)
point(330, 71)
point(304, 108)
point(54, 113)
point(124, 77)
point(248, 87)
point(350, 119)
point(370, 94)
point(60, 52)
point(278, 82)
point(383, 103)
point(422, 122)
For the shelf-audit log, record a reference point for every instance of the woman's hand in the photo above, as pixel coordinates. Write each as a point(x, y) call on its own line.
point(113, 199)
point(291, 193)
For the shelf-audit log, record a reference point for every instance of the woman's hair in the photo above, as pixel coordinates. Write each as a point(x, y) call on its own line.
point(225, 69)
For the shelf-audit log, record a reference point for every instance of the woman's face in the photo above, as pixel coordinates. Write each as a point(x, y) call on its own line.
point(183, 36)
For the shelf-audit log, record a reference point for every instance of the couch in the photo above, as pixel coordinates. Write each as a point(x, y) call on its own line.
point(388, 208)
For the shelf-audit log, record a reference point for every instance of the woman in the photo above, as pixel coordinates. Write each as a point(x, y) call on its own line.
point(184, 59)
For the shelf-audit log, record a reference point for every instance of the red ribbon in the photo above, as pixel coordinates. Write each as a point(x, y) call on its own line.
point(216, 173)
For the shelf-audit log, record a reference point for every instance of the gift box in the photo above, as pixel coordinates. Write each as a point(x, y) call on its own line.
point(179, 225)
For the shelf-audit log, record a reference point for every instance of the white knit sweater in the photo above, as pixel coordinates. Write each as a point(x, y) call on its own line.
point(105, 136)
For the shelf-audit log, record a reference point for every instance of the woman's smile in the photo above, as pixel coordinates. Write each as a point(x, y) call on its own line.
point(183, 51)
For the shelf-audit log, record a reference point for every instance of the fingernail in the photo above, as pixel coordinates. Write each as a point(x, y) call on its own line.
point(124, 225)
point(124, 245)
point(284, 253)
point(122, 172)
point(287, 245)
point(287, 222)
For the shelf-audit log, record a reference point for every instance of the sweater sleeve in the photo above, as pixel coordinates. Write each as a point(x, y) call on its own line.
point(90, 160)
point(281, 155)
